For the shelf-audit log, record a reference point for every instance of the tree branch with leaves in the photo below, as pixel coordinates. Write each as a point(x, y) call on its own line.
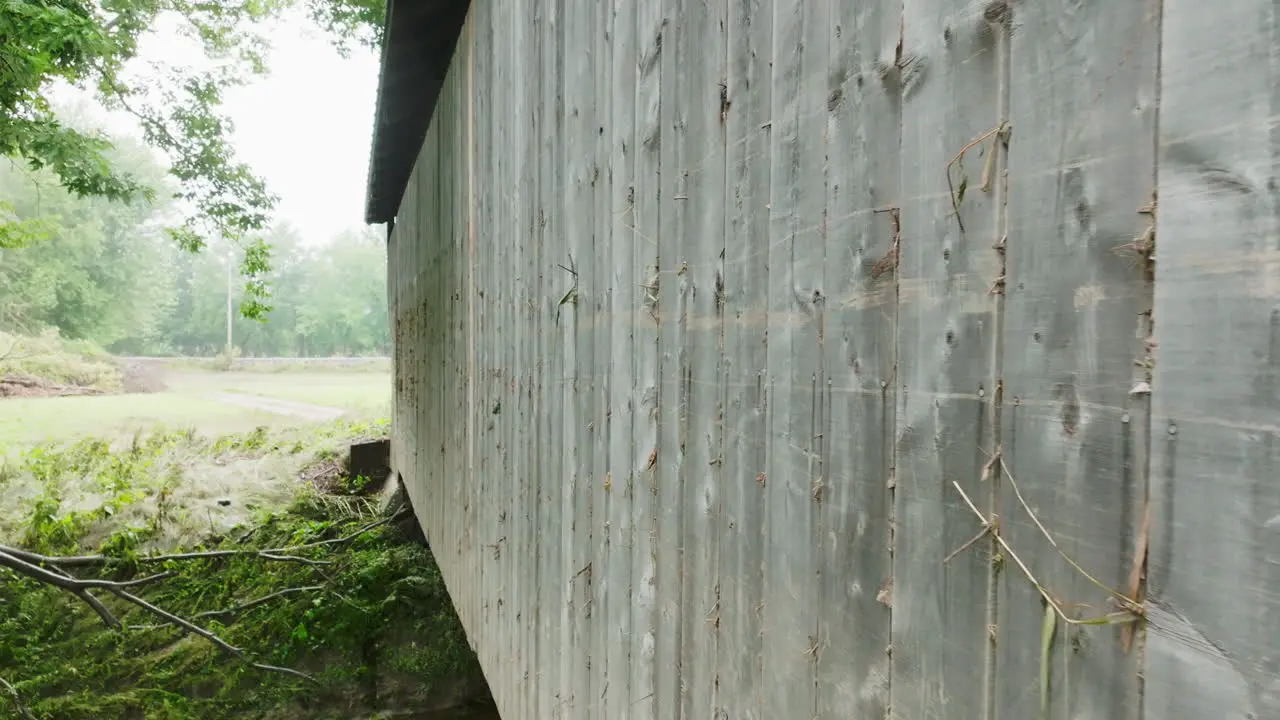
point(58, 572)
point(92, 44)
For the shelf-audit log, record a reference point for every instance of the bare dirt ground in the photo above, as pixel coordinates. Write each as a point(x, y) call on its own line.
point(134, 378)
point(17, 385)
point(211, 402)
point(142, 378)
point(305, 411)
point(145, 377)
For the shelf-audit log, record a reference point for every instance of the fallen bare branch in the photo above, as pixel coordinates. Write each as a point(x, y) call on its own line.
point(79, 588)
point(79, 561)
point(66, 582)
point(191, 627)
point(233, 611)
point(53, 571)
point(93, 602)
point(17, 700)
point(401, 514)
point(84, 595)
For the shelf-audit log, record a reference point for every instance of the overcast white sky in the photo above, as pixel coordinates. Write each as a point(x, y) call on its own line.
point(306, 128)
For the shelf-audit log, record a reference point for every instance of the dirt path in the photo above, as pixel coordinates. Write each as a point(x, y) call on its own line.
point(280, 407)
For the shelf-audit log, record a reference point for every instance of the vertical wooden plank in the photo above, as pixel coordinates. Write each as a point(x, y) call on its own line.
point(941, 642)
point(1081, 164)
point(479, 87)
point(453, 372)
point(579, 143)
point(673, 392)
point(1214, 637)
point(428, 421)
point(624, 402)
point(506, 404)
point(509, 520)
point(796, 253)
point(489, 293)
point(424, 358)
point(466, 535)
point(489, 273)
point(546, 671)
point(539, 678)
point(442, 368)
point(531, 530)
point(426, 450)
point(696, 197)
point(485, 179)
point(452, 367)
point(556, 577)
point(647, 360)
point(527, 533)
point(748, 94)
point(600, 428)
point(859, 353)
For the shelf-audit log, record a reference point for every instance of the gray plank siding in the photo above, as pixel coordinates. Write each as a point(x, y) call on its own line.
point(711, 473)
point(1081, 165)
point(796, 199)
point(647, 360)
point(577, 437)
point(1215, 550)
point(747, 93)
point(700, 201)
point(673, 322)
point(942, 641)
point(624, 304)
point(859, 352)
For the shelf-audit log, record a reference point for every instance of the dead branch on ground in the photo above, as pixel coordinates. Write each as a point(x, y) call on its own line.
point(55, 572)
point(249, 605)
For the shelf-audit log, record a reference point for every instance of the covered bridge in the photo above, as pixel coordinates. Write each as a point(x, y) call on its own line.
point(843, 358)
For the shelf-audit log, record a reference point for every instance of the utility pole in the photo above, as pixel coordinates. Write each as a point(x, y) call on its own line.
point(230, 310)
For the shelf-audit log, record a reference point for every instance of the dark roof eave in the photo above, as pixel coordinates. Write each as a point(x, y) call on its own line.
point(418, 44)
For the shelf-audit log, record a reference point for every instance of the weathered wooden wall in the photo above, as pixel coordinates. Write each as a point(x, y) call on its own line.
point(719, 323)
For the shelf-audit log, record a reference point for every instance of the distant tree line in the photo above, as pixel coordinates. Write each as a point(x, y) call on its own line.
point(107, 272)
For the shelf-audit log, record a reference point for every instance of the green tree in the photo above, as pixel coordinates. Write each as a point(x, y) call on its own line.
point(342, 309)
point(100, 271)
point(90, 45)
point(330, 300)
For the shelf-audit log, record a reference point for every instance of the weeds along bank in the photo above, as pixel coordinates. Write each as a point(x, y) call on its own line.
point(47, 364)
point(345, 597)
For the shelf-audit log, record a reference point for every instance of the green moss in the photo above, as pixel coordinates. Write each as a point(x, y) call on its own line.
point(383, 608)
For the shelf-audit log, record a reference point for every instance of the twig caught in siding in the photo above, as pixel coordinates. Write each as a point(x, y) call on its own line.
point(570, 296)
point(998, 134)
point(889, 262)
point(1129, 611)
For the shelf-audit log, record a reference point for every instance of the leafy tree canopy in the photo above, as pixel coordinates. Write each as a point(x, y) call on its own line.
point(90, 44)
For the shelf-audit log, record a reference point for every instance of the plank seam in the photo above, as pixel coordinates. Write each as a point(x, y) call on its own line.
point(999, 16)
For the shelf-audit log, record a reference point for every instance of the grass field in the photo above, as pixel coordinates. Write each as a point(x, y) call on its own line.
point(194, 399)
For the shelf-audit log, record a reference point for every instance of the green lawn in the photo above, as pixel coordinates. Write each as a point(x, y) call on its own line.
point(358, 392)
point(190, 402)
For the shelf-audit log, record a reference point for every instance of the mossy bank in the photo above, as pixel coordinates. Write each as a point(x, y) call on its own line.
point(369, 619)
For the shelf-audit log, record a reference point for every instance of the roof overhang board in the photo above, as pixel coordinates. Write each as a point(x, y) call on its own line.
point(418, 44)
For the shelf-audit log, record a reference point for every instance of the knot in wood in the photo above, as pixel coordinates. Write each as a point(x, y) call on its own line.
point(997, 12)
